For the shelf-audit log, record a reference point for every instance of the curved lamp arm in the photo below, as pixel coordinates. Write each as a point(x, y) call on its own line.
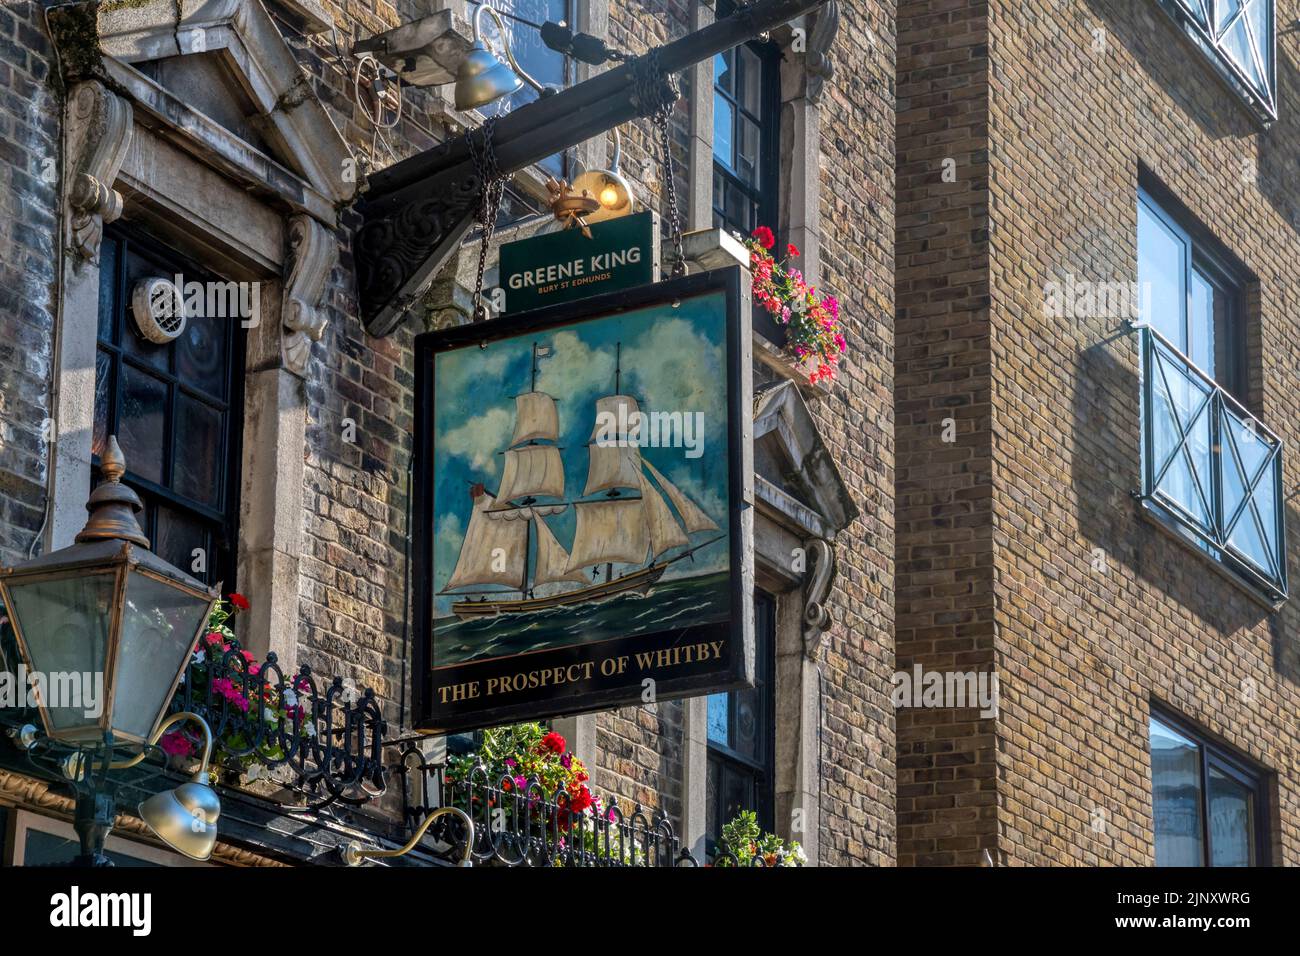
point(170, 722)
point(505, 42)
point(354, 855)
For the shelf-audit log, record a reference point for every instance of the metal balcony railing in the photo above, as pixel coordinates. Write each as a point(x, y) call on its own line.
point(1211, 467)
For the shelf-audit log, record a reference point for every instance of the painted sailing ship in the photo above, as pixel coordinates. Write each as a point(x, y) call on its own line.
point(622, 517)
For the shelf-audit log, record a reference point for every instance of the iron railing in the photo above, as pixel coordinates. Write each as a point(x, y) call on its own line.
point(330, 737)
point(1211, 467)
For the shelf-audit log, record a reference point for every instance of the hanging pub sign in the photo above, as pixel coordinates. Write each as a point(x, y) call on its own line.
point(582, 535)
point(569, 265)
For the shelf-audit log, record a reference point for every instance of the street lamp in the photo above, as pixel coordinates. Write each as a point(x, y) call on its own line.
point(106, 629)
point(105, 612)
point(482, 78)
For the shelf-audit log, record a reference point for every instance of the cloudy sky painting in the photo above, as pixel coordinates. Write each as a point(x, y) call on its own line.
point(673, 360)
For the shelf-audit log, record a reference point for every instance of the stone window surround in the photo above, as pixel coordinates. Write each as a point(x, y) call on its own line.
point(131, 146)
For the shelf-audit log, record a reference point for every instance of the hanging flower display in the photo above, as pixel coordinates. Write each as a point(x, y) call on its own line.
point(811, 320)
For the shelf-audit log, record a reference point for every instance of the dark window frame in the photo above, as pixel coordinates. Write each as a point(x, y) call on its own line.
point(1204, 254)
point(720, 758)
point(222, 537)
point(765, 193)
point(1235, 765)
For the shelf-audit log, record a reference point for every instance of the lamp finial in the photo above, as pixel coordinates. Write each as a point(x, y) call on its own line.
point(112, 463)
point(112, 505)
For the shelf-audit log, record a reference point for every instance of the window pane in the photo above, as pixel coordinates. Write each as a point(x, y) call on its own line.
point(719, 707)
point(747, 152)
point(751, 81)
point(176, 538)
point(737, 792)
point(103, 398)
point(196, 468)
point(723, 120)
point(108, 255)
point(1176, 797)
point(140, 427)
point(1232, 818)
point(201, 354)
point(723, 75)
point(1161, 258)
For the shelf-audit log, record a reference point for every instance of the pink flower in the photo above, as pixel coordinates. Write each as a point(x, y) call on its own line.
point(175, 744)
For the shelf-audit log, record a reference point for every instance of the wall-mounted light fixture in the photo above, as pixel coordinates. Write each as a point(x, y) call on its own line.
point(607, 187)
point(354, 854)
point(482, 78)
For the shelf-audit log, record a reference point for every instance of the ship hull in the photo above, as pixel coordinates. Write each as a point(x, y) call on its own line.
point(638, 582)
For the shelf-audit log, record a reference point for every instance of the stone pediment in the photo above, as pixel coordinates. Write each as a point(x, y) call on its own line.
point(226, 60)
point(795, 474)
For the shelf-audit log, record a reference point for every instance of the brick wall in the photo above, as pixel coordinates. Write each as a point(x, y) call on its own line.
point(1082, 93)
point(30, 111)
point(944, 525)
point(857, 423)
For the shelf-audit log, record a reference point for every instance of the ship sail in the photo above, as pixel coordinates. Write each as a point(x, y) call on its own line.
point(494, 552)
point(615, 456)
point(665, 532)
point(535, 418)
point(612, 467)
point(693, 517)
point(531, 470)
point(553, 560)
point(609, 531)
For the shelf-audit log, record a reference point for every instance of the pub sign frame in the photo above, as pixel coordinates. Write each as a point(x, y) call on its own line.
point(609, 672)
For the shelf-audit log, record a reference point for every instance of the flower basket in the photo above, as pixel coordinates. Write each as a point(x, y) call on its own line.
point(815, 340)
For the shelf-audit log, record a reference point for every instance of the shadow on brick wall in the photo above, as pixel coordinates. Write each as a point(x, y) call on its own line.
point(1157, 47)
point(1279, 149)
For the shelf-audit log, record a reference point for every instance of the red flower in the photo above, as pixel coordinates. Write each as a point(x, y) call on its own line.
point(552, 742)
point(580, 801)
point(792, 249)
point(239, 601)
point(765, 237)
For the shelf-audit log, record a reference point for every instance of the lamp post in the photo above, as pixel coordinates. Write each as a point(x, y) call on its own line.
point(105, 629)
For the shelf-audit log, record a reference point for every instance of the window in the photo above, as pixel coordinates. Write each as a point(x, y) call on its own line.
point(1208, 805)
point(524, 19)
point(175, 408)
point(740, 734)
point(746, 137)
point(1210, 469)
point(1190, 296)
point(1238, 37)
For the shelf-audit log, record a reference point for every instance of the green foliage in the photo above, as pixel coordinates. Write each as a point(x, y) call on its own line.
point(746, 839)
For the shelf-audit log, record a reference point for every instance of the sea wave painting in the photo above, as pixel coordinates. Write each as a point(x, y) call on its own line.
point(580, 489)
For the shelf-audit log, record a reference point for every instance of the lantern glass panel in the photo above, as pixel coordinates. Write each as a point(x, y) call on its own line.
point(64, 623)
point(160, 622)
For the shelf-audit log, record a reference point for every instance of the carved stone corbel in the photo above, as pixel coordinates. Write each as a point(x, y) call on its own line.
point(98, 137)
point(818, 59)
point(817, 618)
point(313, 253)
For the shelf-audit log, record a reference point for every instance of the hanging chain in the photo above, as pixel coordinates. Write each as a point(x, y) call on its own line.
point(655, 93)
point(484, 156)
